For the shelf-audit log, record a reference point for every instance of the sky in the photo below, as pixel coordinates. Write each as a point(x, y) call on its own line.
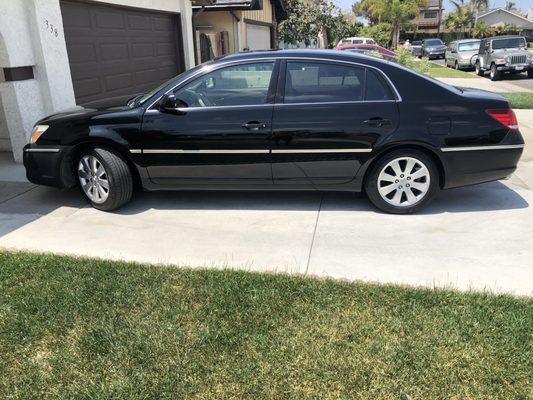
point(523, 4)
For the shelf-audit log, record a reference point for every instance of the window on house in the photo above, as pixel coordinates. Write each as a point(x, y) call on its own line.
point(431, 14)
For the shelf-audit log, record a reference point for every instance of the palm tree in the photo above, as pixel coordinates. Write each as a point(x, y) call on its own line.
point(509, 5)
point(462, 18)
point(481, 30)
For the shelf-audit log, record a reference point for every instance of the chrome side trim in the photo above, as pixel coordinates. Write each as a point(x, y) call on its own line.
point(39, 150)
point(474, 148)
point(136, 151)
point(171, 151)
point(297, 151)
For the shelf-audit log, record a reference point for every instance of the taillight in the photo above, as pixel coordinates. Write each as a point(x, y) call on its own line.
point(506, 117)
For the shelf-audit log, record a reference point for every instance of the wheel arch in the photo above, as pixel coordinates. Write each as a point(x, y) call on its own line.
point(431, 152)
point(69, 160)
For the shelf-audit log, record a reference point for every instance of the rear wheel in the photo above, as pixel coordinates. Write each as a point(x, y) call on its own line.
point(402, 182)
point(456, 65)
point(530, 73)
point(105, 179)
point(494, 73)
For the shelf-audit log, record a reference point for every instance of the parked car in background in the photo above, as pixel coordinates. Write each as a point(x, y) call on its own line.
point(462, 54)
point(433, 48)
point(416, 48)
point(356, 40)
point(370, 49)
point(504, 54)
point(284, 120)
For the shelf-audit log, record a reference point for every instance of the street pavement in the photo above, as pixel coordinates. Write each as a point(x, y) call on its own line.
point(473, 238)
point(509, 84)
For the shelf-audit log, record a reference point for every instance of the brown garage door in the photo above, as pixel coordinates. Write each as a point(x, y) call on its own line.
point(118, 52)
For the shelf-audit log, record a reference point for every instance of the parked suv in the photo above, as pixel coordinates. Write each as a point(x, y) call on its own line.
point(503, 54)
point(462, 53)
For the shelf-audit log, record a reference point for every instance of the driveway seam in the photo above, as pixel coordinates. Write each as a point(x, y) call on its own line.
point(17, 195)
point(314, 234)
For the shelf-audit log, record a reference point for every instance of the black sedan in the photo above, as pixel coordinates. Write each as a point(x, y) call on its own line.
point(284, 120)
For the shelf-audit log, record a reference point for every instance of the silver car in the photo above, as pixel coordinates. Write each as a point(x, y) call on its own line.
point(462, 54)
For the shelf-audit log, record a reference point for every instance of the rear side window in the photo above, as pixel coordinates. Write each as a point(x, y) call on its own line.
point(376, 89)
point(321, 82)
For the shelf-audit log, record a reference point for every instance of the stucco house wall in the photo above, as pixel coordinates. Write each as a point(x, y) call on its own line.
point(26, 40)
point(500, 17)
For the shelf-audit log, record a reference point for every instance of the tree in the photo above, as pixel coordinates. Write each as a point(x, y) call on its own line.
point(395, 12)
point(462, 18)
point(307, 20)
point(482, 30)
point(510, 5)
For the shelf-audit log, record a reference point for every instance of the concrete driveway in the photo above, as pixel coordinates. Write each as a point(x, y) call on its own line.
point(477, 237)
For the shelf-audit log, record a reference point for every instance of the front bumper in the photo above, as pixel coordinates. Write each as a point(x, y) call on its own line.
point(516, 67)
point(47, 165)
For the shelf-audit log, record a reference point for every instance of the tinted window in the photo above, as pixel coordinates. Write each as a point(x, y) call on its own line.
point(376, 88)
point(433, 42)
point(238, 85)
point(469, 46)
point(509, 43)
point(321, 82)
point(417, 43)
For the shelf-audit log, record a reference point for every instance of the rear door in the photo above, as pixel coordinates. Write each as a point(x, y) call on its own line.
point(326, 120)
point(222, 137)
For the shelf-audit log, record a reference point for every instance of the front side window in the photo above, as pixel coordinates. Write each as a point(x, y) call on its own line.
point(238, 85)
point(322, 82)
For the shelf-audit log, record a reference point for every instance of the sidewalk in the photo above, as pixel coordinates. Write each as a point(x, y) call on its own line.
point(484, 84)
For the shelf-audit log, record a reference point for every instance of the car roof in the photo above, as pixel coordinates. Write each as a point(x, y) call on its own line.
point(505, 37)
point(466, 40)
point(301, 53)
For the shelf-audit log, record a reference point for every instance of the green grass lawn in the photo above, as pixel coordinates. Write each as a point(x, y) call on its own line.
point(520, 100)
point(438, 71)
point(81, 328)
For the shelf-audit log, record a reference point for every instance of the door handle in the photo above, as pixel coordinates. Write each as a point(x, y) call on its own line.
point(254, 126)
point(377, 122)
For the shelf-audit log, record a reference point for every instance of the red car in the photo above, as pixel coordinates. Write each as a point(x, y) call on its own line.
point(365, 48)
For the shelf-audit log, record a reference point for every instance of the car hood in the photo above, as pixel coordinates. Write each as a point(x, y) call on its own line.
point(435, 48)
point(81, 113)
point(506, 52)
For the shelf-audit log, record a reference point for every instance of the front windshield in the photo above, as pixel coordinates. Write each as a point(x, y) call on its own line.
point(469, 46)
point(433, 42)
point(509, 43)
point(148, 95)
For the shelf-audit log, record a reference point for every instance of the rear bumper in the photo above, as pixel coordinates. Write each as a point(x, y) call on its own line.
point(50, 166)
point(478, 164)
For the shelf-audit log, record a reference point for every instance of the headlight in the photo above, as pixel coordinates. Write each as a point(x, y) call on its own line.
point(529, 57)
point(38, 130)
point(500, 61)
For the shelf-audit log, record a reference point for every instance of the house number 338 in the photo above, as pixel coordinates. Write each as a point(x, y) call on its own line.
point(51, 28)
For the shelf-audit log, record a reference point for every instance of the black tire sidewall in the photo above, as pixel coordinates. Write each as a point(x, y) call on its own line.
point(371, 181)
point(120, 181)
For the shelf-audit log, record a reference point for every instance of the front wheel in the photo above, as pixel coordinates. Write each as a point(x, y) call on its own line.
point(402, 182)
point(105, 179)
point(494, 73)
point(479, 71)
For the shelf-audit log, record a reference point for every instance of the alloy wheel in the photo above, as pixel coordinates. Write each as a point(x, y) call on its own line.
point(404, 182)
point(93, 179)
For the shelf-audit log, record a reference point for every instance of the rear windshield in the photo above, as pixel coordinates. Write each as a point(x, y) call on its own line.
point(509, 43)
point(469, 46)
point(433, 42)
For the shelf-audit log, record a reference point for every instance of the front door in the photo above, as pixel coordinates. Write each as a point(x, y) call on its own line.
point(327, 120)
point(221, 135)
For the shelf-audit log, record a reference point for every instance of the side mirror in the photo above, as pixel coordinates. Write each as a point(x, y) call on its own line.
point(170, 104)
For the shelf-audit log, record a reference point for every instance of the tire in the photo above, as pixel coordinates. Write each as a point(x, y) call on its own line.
point(494, 73)
point(479, 71)
point(456, 66)
point(396, 198)
point(104, 178)
point(530, 73)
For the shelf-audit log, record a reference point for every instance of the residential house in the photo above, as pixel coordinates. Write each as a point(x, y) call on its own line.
point(57, 54)
point(430, 17)
point(230, 26)
point(501, 17)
